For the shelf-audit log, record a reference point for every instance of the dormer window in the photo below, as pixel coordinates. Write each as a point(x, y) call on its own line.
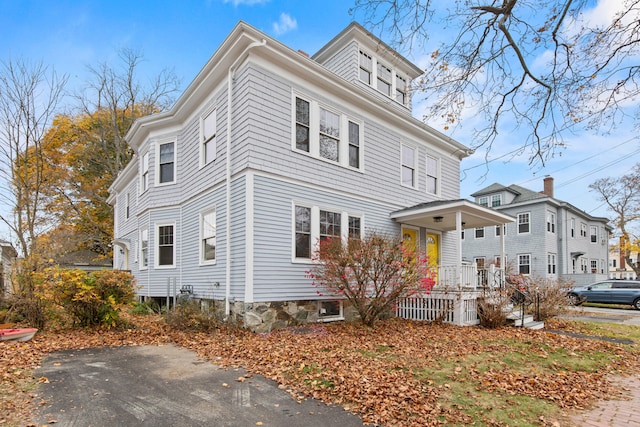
point(366, 67)
point(401, 90)
point(483, 201)
point(384, 79)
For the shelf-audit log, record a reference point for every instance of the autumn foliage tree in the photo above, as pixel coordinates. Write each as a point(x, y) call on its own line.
point(622, 196)
point(371, 273)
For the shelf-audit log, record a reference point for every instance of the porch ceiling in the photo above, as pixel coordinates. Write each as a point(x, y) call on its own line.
point(472, 215)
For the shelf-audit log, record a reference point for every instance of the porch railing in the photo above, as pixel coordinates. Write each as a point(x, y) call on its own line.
point(468, 277)
point(455, 307)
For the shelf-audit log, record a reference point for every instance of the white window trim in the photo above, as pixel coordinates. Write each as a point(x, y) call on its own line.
point(201, 236)
point(156, 245)
point(590, 237)
point(175, 162)
point(314, 133)
point(436, 176)
point(315, 227)
point(551, 222)
point(393, 83)
point(139, 256)
point(483, 201)
point(530, 259)
point(144, 159)
point(203, 142)
point(415, 165)
point(497, 197)
point(518, 232)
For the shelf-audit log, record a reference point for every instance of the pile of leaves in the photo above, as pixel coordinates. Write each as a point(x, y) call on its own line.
point(399, 373)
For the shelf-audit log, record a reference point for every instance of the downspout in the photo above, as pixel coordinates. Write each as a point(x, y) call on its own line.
point(230, 76)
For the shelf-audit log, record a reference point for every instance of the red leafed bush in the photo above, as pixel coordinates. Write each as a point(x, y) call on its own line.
point(371, 273)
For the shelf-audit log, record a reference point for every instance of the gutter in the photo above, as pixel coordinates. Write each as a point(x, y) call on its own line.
point(230, 77)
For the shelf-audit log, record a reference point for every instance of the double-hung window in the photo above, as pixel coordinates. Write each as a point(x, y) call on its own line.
point(594, 234)
point(209, 131)
point(165, 245)
point(483, 201)
point(408, 166)
point(583, 229)
point(354, 145)
point(329, 135)
point(573, 227)
point(401, 90)
point(433, 173)
point(551, 222)
point(366, 66)
point(208, 237)
point(303, 122)
point(128, 206)
point(144, 248)
point(330, 224)
point(524, 264)
point(551, 263)
point(303, 232)
point(384, 79)
point(523, 223)
point(144, 179)
point(166, 163)
point(314, 224)
point(496, 200)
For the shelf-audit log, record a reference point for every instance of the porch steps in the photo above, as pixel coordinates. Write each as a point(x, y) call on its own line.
point(526, 322)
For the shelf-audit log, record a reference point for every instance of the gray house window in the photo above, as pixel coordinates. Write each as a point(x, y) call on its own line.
point(303, 232)
point(208, 236)
point(401, 90)
point(523, 223)
point(366, 66)
point(479, 234)
point(167, 162)
point(594, 235)
point(384, 79)
point(496, 200)
point(329, 225)
point(408, 166)
point(354, 145)
point(551, 222)
point(573, 227)
point(302, 125)
point(165, 245)
point(355, 227)
point(144, 248)
point(482, 201)
point(524, 264)
point(551, 263)
point(209, 132)
point(144, 179)
point(329, 135)
point(433, 174)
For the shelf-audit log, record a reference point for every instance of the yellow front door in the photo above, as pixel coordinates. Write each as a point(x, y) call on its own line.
point(433, 249)
point(410, 239)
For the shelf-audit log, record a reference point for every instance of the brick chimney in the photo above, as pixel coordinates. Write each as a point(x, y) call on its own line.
point(548, 186)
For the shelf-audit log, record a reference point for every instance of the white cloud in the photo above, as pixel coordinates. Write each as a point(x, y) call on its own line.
point(285, 24)
point(237, 3)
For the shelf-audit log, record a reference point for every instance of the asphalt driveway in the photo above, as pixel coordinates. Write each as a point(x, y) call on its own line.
point(167, 386)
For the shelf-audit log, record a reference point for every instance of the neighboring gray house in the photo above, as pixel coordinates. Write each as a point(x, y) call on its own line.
point(267, 151)
point(550, 238)
point(8, 255)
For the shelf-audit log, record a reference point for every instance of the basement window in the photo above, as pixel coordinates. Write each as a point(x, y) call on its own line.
point(329, 311)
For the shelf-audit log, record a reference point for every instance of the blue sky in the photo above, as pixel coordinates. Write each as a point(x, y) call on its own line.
point(182, 35)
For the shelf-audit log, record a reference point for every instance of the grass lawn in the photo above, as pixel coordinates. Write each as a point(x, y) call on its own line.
point(399, 373)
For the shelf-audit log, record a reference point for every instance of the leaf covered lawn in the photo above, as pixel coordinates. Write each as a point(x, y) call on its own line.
point(399, 373)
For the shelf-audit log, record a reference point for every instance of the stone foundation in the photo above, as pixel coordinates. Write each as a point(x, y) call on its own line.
point(266, 316)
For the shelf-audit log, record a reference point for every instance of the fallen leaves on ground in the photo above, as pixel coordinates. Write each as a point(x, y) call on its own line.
point(381, 373)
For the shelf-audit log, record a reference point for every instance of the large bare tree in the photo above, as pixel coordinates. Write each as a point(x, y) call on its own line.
point(622, 197)
point(29, 97)
point(547, 67)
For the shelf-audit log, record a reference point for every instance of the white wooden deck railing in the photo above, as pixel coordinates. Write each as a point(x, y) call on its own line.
point(454, 297)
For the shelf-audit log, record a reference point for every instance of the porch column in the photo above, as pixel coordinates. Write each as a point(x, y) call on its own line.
point(459, 248)
point(503, 261)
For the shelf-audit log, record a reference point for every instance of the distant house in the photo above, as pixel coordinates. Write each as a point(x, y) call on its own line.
point(618, 266)
point(8, 255)
point(268, 151)
point(550, 238)
point(84, 260)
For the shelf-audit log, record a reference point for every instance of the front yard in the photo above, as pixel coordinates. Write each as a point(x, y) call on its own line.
point(400, 373)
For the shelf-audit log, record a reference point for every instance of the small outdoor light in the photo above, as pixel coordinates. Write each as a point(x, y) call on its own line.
point(437, 219)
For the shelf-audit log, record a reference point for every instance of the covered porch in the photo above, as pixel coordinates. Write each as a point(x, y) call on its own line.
point(458, 282)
